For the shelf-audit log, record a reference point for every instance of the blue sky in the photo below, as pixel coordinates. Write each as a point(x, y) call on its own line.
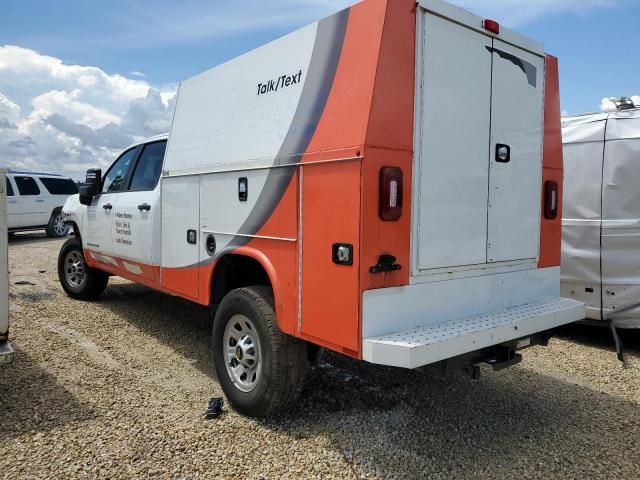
point(169, 41)
point(80, 79)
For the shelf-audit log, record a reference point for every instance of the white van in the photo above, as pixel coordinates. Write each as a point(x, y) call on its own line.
point(35, 200)
point(383, 183)
point(601, 217)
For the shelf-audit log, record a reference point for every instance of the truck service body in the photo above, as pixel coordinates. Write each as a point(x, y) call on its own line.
point(392, 173)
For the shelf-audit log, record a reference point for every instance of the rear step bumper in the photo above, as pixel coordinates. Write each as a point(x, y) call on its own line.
point(6, 353)
point(425, 345)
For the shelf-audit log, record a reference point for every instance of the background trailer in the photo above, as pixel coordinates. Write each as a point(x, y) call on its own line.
point(601, 224)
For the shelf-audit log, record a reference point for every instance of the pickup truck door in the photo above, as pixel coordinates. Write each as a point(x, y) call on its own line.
point(13, 208)
point(136, 221)
point(97, 235)
point(31, 204)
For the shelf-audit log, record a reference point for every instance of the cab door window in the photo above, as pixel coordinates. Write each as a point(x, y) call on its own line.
point(9, 188)
point(27, 186)
point(148, 167)
point(115, 178)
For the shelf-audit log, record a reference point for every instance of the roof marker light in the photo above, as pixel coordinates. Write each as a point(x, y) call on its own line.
point(491, 26)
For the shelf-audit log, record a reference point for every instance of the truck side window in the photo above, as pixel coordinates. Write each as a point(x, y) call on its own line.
point(59, 186)
point(147, 170)
point(115, 177)
point(27, 186)
point(9, 188)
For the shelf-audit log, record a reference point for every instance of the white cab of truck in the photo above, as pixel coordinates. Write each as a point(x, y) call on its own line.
point(385, 183)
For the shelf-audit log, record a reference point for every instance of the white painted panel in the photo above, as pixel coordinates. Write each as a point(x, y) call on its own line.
point(221, 118)
point(469, 20)
point(221, 210)
point(453, 146)
point(180, 212)
point(397, 309)
point(134, 230)
point(97, 236)
point(426, 345)
point(515, 187)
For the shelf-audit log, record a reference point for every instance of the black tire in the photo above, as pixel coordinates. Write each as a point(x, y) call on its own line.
point(54, 228)
point(94, 281)
point(284, 358)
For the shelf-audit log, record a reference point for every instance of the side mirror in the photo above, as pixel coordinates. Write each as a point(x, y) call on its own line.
point(92, 185)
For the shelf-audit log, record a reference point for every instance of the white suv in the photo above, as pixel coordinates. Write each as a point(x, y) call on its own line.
point(34, 202)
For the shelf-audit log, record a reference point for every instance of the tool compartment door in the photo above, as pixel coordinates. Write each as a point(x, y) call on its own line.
point(514, 185)
point(453, 145)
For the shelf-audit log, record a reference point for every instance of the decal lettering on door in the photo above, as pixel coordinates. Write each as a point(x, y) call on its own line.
point(123, 228)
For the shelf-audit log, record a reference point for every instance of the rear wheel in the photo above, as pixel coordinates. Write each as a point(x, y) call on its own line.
point(57, 228)
point(78, 280)
point(260, 369)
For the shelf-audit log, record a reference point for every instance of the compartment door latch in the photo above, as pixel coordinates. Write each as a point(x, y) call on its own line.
point(386, 263)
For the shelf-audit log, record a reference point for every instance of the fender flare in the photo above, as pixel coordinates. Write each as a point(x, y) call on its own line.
point(263, 260)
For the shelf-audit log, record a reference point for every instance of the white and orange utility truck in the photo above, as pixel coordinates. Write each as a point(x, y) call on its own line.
point(384, 183)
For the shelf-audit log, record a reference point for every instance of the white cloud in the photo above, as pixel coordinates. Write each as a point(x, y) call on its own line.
point(67, 118)
point(514, 13)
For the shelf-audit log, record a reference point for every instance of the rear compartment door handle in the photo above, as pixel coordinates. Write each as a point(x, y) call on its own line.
point(503, 153)
point(144, 207)
point(107, 206)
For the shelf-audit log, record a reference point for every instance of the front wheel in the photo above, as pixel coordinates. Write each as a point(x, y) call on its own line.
point(57, 228)
point(260, 369)
point(78, 280)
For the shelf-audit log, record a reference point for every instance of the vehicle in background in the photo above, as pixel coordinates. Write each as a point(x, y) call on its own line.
point(6, 351)
point(35, 200)
point(305, 198)
point(601, 216)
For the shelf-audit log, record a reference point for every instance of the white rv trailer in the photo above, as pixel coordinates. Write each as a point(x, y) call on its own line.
point(383, 183)
point(601, 215)
point(6, 352)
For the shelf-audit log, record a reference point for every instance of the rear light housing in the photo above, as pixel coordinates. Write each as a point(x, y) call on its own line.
point(491, 26)
point(551, 200)
point(390, 194)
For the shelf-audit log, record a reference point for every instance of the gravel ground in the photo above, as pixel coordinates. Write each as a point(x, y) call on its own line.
point(116, 389)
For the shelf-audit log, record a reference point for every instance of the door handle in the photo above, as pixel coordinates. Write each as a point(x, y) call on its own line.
point(40, 201)
point(144, 207)
point(107, 206)
point(503, 153)
point(13, 201)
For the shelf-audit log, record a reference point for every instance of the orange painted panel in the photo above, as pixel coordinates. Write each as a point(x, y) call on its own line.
point(346, 113)
point(379, 237)
point(551, 230)
point(391, 118)
point(331, 214)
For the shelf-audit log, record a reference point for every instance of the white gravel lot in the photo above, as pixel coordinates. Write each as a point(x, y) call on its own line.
point(116, 389)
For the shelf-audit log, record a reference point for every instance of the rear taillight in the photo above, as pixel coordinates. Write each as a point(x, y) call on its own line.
point(550, 200)
point(491, 26)
point(390, 194)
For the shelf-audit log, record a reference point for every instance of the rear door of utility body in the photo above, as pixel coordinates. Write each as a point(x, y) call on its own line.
point(478, 148)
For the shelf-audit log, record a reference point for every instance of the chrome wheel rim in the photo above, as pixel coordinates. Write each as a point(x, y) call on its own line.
point(59, 227)
point(242, 355)
point(75, 270)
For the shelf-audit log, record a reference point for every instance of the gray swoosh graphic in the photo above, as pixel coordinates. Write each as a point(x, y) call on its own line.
point(322, 70)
